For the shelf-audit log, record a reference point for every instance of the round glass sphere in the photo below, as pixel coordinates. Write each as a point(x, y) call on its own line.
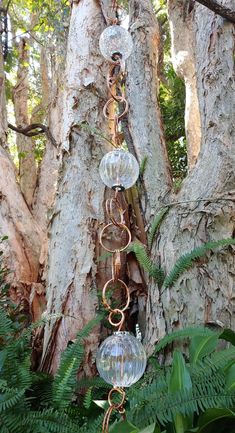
point(115, 43)
point(119, 169)
point(121, 359)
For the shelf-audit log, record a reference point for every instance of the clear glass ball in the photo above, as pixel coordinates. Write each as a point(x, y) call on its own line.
point(121, 359)
point(119, 169)
point(115, 41)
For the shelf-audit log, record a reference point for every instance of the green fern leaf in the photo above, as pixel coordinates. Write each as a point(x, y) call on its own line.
point(66, 376)
point(155, 225)
point(186, 261)
point(182, 334)
point(144, 260)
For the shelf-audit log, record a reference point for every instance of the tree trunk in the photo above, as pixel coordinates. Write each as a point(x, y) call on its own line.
point(205, 211)
point(72, 274)
point(25, 145)
point(183, 57)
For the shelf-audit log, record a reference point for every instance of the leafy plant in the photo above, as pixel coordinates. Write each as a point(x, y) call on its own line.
point(144, 260)
point(186, 261)
point(179, 397)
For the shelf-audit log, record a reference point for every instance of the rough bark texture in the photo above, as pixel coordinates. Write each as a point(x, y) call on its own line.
point(217, 6)
point(23, 250)
point(144, 117)
point(25, 145)
point(79, 210)
point(205, 293)
point(183, 57)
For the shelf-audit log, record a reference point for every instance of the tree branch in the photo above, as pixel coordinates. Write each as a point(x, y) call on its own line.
point(219, 9)
point(33, 130)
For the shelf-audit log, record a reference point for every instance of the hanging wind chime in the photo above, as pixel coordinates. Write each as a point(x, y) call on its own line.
point(121, 358)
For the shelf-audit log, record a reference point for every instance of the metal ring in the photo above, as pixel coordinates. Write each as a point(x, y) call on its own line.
point(119, 391)
point(105, 302)
point(119, 226)
point(114, 203)
point(121, 321)
point(110, 101)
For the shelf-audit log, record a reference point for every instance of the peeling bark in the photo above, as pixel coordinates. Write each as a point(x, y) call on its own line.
point(184, 62)
point(25, 145)
point(226, 11)
point(144, 116)
point(72, 279)
point(205, 293)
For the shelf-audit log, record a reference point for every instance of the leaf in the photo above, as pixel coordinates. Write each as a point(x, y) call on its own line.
point(180, 380)
point(3, 355)
point(101, 403)
point(123, 427)
point(228, 335)
point(202, 346)
point(187, 260)
point(230, 378)
point(156, 223)
point(211, 416)
point(153, 428)
point(182, 334)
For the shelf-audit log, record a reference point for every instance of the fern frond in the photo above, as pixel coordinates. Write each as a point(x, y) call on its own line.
point(50, 421)
point(182, 334)
point(162, 406)
point(155, 224)
point(186, 261)
point(143, 164)
point(144, 260)
point(66, 376)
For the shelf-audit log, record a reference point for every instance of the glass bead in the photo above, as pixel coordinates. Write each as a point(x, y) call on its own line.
point(115, 41)
point(121, 359)
point(119, 169)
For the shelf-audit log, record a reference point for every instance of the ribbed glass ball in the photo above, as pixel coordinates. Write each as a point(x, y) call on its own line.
point(115, 41)
point(121, 359)
point(119, 169)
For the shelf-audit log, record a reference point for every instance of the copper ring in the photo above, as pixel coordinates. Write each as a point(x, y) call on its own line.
point(110, 101)
point(105, 302)
point(121, 321)
point(110, 203)
point(119, 391)
point(117, 249)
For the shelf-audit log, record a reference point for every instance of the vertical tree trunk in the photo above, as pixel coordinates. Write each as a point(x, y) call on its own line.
point(205, 293)
point(25, 145)
point(183, 57)
point(142, 94)
point(78, 213)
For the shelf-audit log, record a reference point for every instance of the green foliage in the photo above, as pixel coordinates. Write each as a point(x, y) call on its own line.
point(35, 402)
point(142, 256)
point(186, 261)
point(175, 395)
point(66, 376)
point(155, 224)
point(172, 104)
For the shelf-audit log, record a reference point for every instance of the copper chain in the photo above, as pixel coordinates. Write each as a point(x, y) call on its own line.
point(114, 110)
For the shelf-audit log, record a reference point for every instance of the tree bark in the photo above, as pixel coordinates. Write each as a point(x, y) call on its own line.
point(72, 274)
point(203, 294)
point(225, 11)
point(144, 115)
point(25, 145)
point(184, 62)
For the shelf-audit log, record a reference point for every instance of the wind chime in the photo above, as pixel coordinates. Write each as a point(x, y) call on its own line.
point(121, 358)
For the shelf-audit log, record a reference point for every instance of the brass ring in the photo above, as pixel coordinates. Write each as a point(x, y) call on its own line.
point(105, 302)
point(114, 203)
point(119, 391)
point(119, 226)
point(110, 101)
point(116, 324)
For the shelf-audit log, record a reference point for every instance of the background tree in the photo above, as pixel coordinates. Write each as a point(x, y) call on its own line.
point(67, 104)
